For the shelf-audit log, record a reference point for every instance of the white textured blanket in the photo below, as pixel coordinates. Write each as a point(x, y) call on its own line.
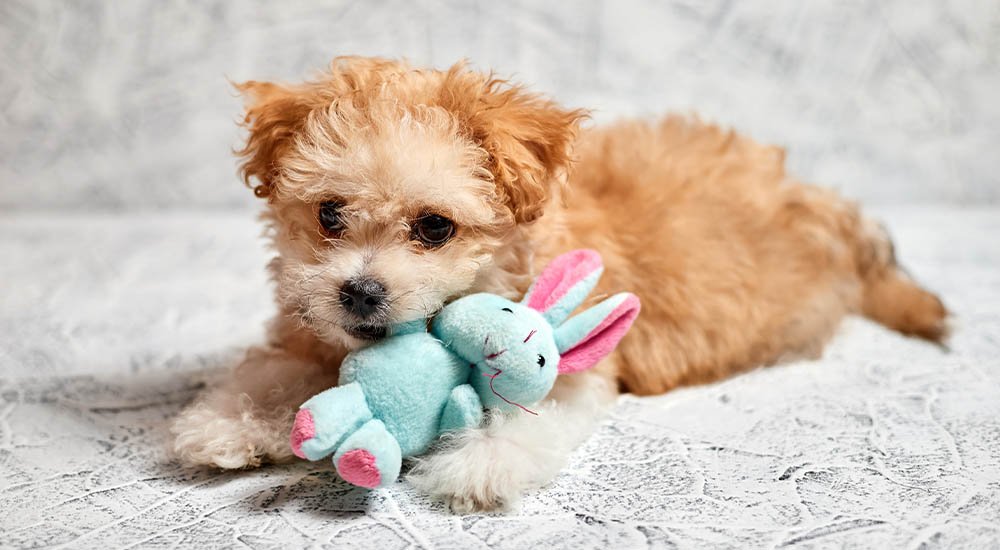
point(108, 325)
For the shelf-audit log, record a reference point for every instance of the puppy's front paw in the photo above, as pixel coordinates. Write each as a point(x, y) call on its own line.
point(477, 474)
point(229, 454)
point(470, 504)
point(487, 469)
point(478, 491)
point(203, 438)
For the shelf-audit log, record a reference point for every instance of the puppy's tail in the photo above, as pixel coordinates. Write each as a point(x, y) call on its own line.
point(891, 298)
point(894, 300)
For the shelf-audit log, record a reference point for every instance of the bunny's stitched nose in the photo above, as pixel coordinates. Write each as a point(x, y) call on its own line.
point(493, 355)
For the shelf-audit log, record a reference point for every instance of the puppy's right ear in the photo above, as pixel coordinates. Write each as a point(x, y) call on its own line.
point(274, 113)
point(528, 138)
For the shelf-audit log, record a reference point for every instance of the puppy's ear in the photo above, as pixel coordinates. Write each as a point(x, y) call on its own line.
point(529, 140)
point(274, 113)
point(527, 136)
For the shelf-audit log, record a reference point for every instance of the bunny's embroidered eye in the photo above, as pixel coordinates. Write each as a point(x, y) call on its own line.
point(541, 361)
point(507, 309)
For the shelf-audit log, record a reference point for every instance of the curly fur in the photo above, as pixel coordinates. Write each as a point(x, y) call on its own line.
point(737, 263)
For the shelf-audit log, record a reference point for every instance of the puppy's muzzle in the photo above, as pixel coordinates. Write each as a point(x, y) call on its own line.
point(364, 298)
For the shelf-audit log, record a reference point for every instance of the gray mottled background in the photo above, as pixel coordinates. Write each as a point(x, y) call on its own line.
point(131, 271)
point(125, 105)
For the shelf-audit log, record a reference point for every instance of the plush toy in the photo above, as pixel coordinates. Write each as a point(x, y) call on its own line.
point(397, 395)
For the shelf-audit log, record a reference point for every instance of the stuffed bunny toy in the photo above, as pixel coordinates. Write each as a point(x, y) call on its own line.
point(398, 395)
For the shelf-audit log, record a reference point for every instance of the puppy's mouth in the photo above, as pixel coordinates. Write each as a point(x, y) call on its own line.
point(367, 332)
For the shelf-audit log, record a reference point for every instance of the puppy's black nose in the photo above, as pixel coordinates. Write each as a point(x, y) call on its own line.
point(362, 297)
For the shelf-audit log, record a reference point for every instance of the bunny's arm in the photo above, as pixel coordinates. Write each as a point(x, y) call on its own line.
point(463, 409)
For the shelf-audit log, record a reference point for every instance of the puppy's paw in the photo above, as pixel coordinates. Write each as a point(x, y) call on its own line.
point(203, 438)
point(487, 469)
point(473, 472)
point(228, 455)
point(466, 504)
point(466, 489)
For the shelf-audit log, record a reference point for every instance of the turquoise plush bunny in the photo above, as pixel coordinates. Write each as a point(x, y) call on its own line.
point(396, 396)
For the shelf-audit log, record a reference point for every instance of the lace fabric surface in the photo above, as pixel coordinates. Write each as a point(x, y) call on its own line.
point(111, 324)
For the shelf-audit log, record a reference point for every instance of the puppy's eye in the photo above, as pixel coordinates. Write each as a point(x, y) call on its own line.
point(433, 230)
point(541, 361)
point(507, 309)
point(330, 217)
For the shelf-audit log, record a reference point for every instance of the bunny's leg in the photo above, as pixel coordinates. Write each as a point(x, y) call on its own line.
point(463, 409)
point(326, 419)
point(369, 457)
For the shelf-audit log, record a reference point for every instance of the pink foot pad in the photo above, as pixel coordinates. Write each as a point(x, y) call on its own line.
point(358, 468)
point(303, 430)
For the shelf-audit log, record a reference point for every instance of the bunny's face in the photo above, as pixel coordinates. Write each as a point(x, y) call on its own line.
point(517, 349)
point(511, 347)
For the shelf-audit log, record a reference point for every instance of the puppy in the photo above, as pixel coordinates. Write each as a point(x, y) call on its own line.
point(391, 190)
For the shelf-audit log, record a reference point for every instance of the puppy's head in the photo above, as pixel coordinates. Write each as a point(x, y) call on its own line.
point(392, 190)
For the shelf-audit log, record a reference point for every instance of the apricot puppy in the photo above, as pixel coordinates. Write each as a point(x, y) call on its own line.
point(392, 190)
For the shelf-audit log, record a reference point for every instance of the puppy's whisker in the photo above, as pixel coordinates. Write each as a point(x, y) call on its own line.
point(326, 269)
point(325, 320)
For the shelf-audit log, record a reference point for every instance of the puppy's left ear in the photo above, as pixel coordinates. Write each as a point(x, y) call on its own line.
point(528, 137)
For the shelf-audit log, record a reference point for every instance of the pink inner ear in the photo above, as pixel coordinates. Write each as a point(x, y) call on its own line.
point(560, 276)
point(602, 340)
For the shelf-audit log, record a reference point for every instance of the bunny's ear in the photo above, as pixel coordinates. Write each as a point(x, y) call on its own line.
point(564, 284)
point(588, 337)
